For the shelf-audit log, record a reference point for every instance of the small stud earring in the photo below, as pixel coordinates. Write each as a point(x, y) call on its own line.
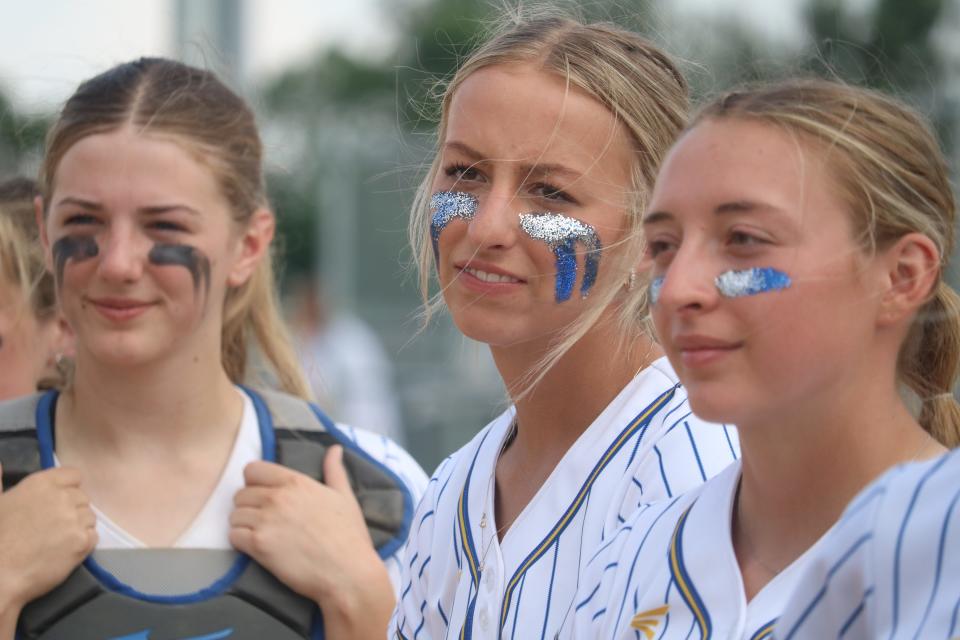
point(632, 280)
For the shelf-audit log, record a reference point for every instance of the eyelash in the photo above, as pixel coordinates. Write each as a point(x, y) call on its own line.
point(657, 247)
point(744, 239)
point(459, 169)
point(80, 219)
point(548, 191)
point(166, 225)
point(552, 192)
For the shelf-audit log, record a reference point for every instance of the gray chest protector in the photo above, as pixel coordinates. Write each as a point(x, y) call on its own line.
point(197, 594)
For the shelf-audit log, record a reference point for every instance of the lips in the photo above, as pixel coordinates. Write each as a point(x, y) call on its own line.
point(699, 350)
point(487, 278)
point(120, 309)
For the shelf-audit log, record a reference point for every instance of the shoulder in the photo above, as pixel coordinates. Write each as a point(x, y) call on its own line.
point(18, 414)
point(893, 545)
point(293, 413)
point(676, 450)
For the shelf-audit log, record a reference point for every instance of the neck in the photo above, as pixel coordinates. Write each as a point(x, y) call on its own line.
point(802, 466)
point(573, 392)
point(172, 404)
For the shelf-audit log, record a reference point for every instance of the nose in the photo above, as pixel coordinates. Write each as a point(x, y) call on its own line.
point(497, 221)
point(687, 285)
point(122, 254)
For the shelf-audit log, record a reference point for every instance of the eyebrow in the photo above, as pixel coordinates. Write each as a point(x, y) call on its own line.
point(154, 210)
point(167, 208)
point(735, 206)
point(80, 202)
point(529, 169)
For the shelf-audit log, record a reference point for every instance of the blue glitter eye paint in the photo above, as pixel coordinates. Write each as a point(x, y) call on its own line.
point(562, 235)
point(750, 282)
point(655, 286)
point(446, 206)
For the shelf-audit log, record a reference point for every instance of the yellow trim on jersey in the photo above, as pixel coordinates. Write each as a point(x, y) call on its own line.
point(680, 575)
point(611, 451)
point(764, 632)
point(463, 535)
point(647, 621)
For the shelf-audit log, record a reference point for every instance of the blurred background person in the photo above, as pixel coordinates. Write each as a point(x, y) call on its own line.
point(33, 336)
point(344, 360)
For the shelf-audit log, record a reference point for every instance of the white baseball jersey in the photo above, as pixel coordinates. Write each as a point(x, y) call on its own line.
point(891, 568)
point(671, 572)
point(460, 581)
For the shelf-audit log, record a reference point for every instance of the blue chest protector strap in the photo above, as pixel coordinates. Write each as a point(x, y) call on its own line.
point(197, 594)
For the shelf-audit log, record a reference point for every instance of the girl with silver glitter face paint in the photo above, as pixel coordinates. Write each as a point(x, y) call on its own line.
point(798, 234)
point(529, 218)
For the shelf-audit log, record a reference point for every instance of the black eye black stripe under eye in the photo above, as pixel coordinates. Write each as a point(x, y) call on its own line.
point(185, 256)
point(76, 248)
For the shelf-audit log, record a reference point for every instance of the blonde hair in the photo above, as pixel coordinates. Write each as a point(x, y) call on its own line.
point(21, 255)
point(895, 179)
point(635, 81)
point(192, 105)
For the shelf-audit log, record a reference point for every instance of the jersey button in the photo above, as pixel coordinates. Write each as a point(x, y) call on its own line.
point(488, 580)
point(484, 619)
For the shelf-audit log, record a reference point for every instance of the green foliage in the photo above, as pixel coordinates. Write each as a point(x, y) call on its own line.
point(20, 136)
point(889, 48)
point(296, 232)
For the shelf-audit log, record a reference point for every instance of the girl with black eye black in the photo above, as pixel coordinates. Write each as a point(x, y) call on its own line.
point(139, 484)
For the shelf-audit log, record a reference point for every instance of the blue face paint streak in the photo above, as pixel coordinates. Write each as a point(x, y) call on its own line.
point(562, 235)
point(655, 287)
point(750, 282)
point(76, 248)
point(448, 205)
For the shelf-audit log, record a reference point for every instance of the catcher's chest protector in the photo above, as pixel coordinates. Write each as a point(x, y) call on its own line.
point(196, 594)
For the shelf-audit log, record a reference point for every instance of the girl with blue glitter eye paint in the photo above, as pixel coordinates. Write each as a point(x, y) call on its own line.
point(737, 283)
point(797, 235)
point(529, 217)
point(562, 234)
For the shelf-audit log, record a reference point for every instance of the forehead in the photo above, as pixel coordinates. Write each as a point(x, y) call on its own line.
point(516, 112)
point(137, 168)
point(736, 160)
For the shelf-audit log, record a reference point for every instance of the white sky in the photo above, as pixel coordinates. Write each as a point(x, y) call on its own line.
point(48, 46)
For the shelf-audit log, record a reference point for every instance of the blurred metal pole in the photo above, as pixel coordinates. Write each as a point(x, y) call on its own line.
point(210, 34)
point(337, 226)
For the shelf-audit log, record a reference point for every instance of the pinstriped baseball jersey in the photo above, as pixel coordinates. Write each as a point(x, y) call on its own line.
point(461, 582)
point(891, 567)
point(671, 572)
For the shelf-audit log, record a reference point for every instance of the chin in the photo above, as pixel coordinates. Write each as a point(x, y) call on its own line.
point(713, 405)
point(126, 351)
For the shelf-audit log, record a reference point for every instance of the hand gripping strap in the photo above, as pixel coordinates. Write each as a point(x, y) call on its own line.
point(304, 433)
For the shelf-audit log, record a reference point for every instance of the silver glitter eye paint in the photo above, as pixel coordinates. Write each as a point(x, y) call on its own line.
point(446, 206)
point(750, 282)
point(656, 285)
point(562, 234)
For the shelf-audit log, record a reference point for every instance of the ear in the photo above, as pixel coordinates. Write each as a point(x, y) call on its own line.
point(42, 226)
point(254, 246)
point(66, 340)
point(912, 269)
